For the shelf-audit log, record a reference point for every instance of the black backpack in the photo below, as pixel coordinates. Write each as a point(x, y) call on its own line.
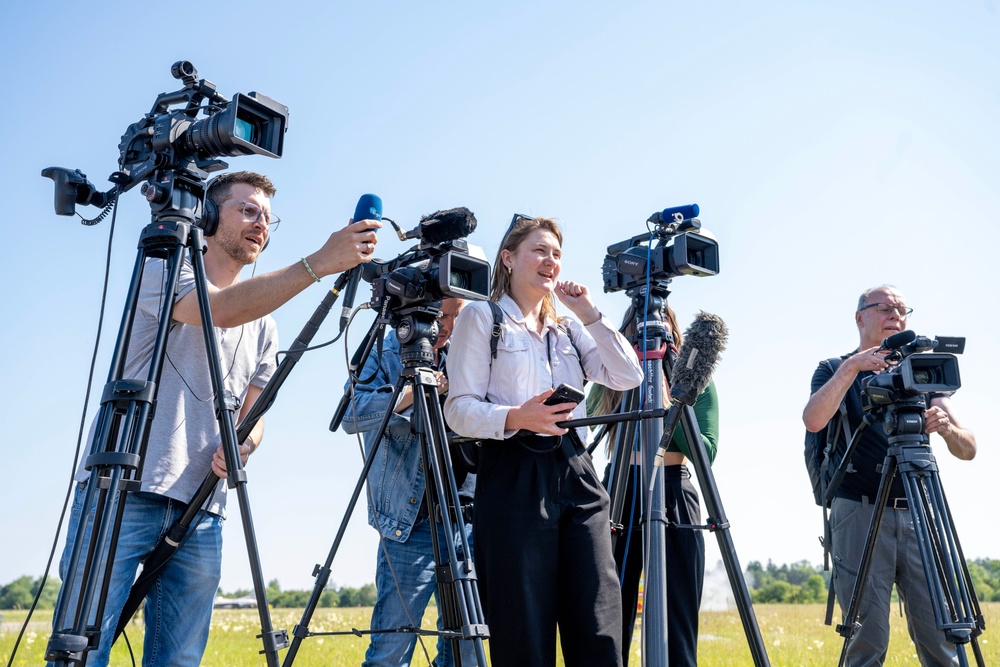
point(821, 453)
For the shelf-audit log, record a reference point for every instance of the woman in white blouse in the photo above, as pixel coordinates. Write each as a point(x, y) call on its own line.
point(542, 531)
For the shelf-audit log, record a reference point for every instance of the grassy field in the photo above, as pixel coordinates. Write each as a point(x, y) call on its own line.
point(793, 634)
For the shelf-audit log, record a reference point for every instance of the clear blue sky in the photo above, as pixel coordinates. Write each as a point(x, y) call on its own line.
point(832, 146)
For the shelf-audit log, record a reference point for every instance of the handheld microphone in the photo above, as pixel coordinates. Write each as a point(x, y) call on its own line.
point(898, 340)
point(444, 226)
point(677, 213)
point(703, 342)
point(369, 208)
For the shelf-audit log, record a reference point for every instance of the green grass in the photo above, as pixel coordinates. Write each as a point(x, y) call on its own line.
point(794, 635)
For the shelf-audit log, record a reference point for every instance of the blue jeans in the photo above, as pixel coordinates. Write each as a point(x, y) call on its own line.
point(178, 607)
point(395, 607)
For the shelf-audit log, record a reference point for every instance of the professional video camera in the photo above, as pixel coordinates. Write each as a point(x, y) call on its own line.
point(682, 249)
point(408, 290)
point(439, 267)
point(916, 370)
point(174, 151)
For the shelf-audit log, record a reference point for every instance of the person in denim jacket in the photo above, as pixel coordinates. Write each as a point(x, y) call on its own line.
point(404, 576)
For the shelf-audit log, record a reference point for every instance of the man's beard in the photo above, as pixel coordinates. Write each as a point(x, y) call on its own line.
point(237, 250)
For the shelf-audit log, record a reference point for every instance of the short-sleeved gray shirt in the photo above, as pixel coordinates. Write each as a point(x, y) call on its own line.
point(184, 434)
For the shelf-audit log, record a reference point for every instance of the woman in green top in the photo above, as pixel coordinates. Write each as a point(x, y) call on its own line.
point(685, 547)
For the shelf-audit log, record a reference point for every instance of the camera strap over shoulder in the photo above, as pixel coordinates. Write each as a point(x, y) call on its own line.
point(828, 451)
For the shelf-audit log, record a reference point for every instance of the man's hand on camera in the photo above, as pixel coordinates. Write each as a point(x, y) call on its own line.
point(938, 421)
point(872, 359)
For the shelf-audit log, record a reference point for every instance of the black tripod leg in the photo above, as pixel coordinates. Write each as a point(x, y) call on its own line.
point(655, 640)
point(115, 461)
point(719, 524)
point(167, 546)
point(456, 585)
point(322, 573)
point(621, 463)
point(225, 408)
point(851, 624)
point(949, 584)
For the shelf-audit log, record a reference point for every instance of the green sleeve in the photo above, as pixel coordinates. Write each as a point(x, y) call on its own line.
point(593, 397)
point(706, 411)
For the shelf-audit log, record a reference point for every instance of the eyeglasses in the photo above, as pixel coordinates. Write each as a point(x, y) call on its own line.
point(503, 240)
point(885, 308)
point(510, 228)
point(252, 213)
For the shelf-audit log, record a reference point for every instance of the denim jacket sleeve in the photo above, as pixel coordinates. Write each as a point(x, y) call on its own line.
point(395, 480)
point(372, 399)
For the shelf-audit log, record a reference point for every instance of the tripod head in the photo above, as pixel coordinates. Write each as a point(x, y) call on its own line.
point(417, 330)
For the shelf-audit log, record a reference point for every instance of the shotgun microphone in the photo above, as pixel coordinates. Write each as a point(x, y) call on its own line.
point(703, 342)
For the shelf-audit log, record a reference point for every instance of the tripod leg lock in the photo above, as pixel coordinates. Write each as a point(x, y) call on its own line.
point(125, 392)
point(107, 459)
point(274, 641)
point(714, 525)
point(847, 630)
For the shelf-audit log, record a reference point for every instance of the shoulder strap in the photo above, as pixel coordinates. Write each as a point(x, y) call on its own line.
point(497, 332)
point(827, 539)
point(832, 434)
point(565, 329)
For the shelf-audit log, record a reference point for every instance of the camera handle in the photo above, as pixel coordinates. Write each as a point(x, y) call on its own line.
point(949, 583)
point(119, 446)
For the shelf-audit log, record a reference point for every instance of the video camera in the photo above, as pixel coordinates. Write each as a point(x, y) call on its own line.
point(174, 151)
point(439, 267)
point(681, 249)
point(915, 368)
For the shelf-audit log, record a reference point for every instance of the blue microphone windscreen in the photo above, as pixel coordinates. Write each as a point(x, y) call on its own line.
point(369, 208)
point(686, 212)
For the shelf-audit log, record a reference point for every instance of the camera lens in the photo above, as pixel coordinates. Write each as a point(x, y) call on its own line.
point(245, 130)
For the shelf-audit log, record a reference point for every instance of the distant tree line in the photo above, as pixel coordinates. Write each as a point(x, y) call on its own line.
point(344, 596)
point(797, 583)
point(802, 582)
point(19, 593)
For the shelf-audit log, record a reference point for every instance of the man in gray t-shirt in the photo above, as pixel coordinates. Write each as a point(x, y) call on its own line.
point(184, 442)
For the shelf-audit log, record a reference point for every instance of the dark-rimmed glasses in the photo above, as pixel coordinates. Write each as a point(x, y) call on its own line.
point(252, 213)
point(885, 308)
point(510, 228)
point(506, 234)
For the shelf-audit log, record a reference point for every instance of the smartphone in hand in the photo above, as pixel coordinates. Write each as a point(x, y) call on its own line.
point(565, 393)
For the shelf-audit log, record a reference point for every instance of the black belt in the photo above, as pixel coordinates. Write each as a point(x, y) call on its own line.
point(900, 503)
point(465, 504)
point(564, 445)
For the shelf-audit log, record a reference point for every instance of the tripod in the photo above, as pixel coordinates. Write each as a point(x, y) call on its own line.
point(121, 433)
point(649, 307)
point(952, 596)
point(458, 597)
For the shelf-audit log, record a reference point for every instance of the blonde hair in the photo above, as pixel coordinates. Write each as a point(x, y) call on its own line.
point(520, 228)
